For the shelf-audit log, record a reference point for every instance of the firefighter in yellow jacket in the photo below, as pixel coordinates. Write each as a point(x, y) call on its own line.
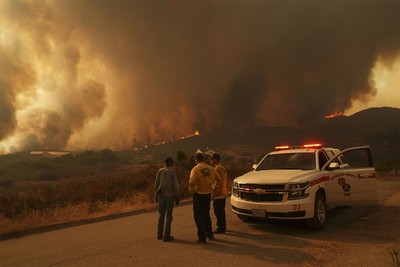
point(203, 179)
point(219, 194)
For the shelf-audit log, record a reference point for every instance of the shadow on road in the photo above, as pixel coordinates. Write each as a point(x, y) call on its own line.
point(375, 224)
point(263, 246)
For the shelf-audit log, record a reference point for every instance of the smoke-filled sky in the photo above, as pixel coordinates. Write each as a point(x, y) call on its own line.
point(89, 74)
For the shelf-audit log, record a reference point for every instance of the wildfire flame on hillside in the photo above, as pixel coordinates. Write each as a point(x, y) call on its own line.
point(196, 133)
point(330, 116)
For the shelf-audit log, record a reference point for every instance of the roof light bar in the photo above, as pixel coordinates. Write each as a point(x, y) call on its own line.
point(312, 145)
point(297, 147)
point(281, 147)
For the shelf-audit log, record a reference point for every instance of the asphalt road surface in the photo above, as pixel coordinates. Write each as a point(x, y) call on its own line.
point(357, 236)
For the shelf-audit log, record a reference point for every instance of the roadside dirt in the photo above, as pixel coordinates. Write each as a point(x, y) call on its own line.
point(368, 241)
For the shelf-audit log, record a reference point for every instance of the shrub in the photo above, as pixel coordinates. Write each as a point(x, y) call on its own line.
point(7, 183)
point(46, 176)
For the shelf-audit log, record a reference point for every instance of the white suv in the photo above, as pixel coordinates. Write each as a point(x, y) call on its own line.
point(303, 182)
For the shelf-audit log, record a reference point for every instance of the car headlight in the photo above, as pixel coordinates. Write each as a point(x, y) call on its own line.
point(297, 191)
point(235, 189)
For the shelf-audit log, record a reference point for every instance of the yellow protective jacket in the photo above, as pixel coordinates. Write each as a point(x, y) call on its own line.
point(203, 179)
point(221, 192)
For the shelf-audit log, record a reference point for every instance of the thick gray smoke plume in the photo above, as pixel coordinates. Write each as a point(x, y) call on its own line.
point(95, 74)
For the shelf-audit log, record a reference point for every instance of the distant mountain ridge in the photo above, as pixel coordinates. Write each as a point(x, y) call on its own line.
point(369, 121)
point(341, 132)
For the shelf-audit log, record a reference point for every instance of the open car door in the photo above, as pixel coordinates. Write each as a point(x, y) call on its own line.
point(352, 178)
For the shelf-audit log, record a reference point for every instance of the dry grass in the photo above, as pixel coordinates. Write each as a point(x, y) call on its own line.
point(73, 213)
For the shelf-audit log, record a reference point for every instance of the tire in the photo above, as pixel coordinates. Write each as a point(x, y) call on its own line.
point(318, 222)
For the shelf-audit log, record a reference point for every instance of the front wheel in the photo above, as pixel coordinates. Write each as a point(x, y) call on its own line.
point(318, 222)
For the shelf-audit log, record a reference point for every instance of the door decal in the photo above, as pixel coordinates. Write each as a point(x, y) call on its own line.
point(346, 187)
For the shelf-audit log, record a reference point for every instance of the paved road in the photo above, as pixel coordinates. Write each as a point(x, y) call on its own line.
point(131, 241)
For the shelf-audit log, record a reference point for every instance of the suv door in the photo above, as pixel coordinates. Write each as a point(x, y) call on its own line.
point(352, 178)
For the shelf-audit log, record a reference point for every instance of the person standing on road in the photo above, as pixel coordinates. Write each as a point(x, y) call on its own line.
point(219, 194)
point(167, 192)
point(203, 178)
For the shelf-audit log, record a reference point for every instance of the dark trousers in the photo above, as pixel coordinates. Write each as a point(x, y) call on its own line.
point(201, 212)
point(165, 208)
point(219, 211)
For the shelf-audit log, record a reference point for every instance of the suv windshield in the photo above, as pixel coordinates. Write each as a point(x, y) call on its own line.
point(302, 161)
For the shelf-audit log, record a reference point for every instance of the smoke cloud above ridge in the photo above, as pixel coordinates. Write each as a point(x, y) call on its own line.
point(95, 74)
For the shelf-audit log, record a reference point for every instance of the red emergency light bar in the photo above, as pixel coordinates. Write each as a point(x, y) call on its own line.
point(281, 147)
point(312, 146)
point(296, 147)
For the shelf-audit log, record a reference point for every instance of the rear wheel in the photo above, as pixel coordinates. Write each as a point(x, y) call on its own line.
point(318, 222)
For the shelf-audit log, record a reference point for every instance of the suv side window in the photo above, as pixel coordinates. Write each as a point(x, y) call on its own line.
point(356, 159)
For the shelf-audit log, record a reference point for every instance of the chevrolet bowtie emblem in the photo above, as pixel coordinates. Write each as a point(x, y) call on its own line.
point(258, 191)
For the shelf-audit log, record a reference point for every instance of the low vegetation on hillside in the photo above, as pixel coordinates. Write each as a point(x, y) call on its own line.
point(36, 191)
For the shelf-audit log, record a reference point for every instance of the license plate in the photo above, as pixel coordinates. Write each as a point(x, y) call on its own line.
point(259, 213)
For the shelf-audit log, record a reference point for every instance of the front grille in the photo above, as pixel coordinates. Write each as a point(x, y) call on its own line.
point(262, 192)
point(260, 198)
point(263, 186)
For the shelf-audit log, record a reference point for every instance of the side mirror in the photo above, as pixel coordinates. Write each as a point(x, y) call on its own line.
point(334, 165)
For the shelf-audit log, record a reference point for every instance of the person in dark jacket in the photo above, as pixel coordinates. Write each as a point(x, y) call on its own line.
point(167, 193)
point(219, 194)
